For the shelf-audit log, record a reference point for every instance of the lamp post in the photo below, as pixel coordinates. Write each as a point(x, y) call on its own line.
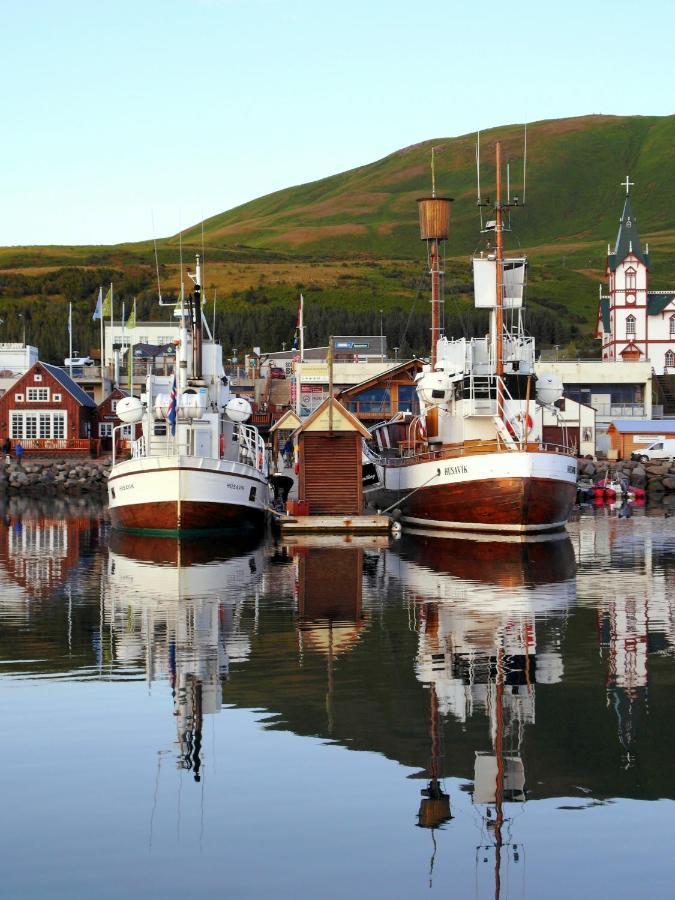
point(395, 354)
point(23, 320)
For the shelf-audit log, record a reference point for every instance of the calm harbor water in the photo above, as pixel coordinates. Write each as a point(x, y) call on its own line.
point(331, 718)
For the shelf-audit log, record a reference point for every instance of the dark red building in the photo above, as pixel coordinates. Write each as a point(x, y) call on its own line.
point(46, 411)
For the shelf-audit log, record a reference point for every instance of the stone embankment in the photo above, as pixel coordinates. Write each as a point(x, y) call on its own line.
point(54, 476)
point(657, 478)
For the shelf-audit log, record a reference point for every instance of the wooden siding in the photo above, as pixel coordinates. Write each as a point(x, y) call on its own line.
point(79, 419)
point(330, 473)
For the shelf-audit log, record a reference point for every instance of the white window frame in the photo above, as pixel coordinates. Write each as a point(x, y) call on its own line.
point(672, 325)
point(113, 405)
point(631, 279)
point(45, 424)
point(631, 326)
point(37, 377)
point(669, 359)
point(56, 398)
point(19, 398)
point(105, 429)
point(38, 399)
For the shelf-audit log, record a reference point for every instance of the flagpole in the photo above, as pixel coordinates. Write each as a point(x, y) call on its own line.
point(131, 348)
point(302, 328)
point(70, 338)
point(100, 319)
point(112, 322)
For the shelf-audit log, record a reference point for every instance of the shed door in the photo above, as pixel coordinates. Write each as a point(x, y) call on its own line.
point(553, 434)
point(332, 473)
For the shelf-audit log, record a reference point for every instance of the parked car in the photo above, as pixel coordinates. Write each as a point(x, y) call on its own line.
point(659, 450)
point(78, 361)
point(277, 372)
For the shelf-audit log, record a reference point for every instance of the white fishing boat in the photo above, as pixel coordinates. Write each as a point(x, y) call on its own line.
point(197, 466)
point(475, 458)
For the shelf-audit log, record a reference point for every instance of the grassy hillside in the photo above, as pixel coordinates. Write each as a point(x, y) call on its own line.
point(350, 242)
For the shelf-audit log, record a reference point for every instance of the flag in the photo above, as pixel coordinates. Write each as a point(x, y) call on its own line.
point(98, 312)
point(106, 309)
point(131, 321)
point(173, 403)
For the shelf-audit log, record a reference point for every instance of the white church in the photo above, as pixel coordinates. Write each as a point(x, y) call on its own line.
point(635, 323)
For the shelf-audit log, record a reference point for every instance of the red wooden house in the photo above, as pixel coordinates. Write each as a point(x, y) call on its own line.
point(46, 411)
point(107, 419)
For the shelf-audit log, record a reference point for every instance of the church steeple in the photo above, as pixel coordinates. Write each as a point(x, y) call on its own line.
point(628, 237)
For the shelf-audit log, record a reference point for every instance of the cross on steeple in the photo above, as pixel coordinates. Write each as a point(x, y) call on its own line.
point(628, 184)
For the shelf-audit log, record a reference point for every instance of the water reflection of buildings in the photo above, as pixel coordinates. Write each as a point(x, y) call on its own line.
point(184, 615)
point(478, 606)
point(635, 622)
point(42, 546)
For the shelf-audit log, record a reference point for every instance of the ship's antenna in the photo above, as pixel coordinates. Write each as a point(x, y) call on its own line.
point(480, 208)
point(524, 163)
point(180, 250)
point(154, 241)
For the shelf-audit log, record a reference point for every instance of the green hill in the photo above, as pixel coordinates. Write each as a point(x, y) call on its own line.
point(350, 242)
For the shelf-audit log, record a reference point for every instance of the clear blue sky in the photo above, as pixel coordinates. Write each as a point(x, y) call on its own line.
point(113, 112)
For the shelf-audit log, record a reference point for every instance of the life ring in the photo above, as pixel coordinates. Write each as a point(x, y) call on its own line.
point(517, 423)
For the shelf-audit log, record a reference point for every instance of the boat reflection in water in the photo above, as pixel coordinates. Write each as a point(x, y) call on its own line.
point(478, 605)
point(183, 610)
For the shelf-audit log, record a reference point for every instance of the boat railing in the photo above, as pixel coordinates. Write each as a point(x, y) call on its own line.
point(139, 447)
point(460, 450)
point(251, 448)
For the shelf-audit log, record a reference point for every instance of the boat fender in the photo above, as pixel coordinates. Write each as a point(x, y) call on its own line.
point(222, 446)
point(396, 527)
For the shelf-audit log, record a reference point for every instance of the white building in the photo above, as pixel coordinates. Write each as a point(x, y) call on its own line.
point(117, 335)
point(634, 323)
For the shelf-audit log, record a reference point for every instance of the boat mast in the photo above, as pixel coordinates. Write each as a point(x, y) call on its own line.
point(499, 309)
point(197, 345)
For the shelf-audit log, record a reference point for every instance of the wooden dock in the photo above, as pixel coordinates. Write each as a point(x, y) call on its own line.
point(335, 524)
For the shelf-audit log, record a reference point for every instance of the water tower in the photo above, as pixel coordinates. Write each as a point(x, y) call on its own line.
point(434, 213)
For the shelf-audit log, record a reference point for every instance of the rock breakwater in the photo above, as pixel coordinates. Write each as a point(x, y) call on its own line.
point(54, 476)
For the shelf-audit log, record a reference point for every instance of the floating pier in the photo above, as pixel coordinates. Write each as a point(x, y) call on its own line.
point(335, 524)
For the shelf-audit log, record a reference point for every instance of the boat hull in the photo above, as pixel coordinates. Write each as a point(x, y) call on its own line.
point(186, 496)
point(520, 492)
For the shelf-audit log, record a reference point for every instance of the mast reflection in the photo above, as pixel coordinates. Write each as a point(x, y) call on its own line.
point(182, 609)
point(479, 603)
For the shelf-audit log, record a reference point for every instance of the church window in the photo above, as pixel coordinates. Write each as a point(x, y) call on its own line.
point(630, 279)
point(672, 326)
point(630, 326)
point(670, 359)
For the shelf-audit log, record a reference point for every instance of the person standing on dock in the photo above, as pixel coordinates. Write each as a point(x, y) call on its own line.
point(18, 452)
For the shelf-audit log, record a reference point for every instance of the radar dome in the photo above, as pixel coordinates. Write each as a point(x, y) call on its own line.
point(130, 410)
point(238, 409)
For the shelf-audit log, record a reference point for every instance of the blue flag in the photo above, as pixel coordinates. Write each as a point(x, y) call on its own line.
point(99, 305)
point(173, 408)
